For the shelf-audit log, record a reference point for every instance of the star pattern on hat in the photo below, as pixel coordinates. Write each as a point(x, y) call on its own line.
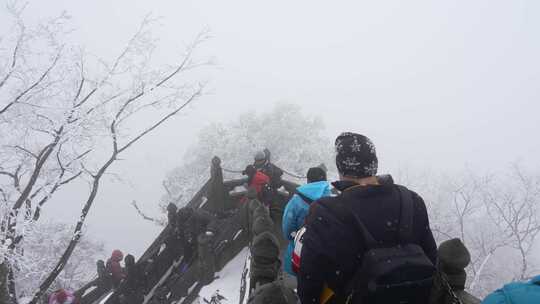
point(356, 155)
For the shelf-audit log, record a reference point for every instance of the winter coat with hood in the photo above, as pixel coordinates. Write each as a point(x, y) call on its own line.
point(516, 293)
point(114, 267)
point(295, 213)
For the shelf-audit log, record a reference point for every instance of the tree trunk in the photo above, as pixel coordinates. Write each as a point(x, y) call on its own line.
point(12, 288)
point(77, 233)
point(6, 283)
point(3, 284)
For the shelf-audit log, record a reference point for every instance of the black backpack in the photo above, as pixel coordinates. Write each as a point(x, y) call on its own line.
point(401, 274)
point(267, 194)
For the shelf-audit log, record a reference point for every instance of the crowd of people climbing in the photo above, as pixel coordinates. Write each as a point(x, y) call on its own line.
point(368, 242)
point(360, 239)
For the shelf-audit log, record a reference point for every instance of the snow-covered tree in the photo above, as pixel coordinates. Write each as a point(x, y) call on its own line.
point(295, 140)
point(65, 116)
point(495, 215)
point(38, 252)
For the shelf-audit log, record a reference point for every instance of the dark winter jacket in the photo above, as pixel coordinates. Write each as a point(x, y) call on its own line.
point(274, 293)
point(105, 279)
point(191, 223)
point(197, 222)
point(333, 250)
point(135, 278)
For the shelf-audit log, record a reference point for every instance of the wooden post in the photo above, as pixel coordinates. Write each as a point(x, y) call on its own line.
point(217, 195)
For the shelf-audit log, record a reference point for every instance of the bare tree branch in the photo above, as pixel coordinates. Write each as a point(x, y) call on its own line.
point(161, 121)
point(35, 84)
point(14, 57)
point(26, 151)
point(144, 216)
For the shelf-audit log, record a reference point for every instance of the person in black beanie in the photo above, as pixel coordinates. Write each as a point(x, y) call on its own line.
point(315, 174)
point(355, 156)
point(333, 247)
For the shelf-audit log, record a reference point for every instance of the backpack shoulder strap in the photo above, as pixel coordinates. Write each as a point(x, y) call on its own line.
point(405, 232)
point(303, 197)
point(345, 215)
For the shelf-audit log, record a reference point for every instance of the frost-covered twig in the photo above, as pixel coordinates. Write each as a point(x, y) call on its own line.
point(146, 217)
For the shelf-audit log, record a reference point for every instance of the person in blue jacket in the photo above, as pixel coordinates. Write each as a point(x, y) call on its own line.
point(516, 293)
point(297, 209)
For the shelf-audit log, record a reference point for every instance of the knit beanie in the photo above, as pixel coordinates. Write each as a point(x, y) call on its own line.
point(316, 174)
point(355, 155)
point(453, 254)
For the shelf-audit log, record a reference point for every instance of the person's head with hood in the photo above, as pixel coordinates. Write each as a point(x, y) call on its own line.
point(356, 158)
point(129, 260)
point(61, 296)
point(453, 258)
point(117, 255)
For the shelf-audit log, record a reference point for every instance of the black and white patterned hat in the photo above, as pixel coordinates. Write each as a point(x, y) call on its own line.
point(355, 155)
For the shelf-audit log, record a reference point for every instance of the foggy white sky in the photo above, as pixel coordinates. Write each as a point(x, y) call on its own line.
point(435, 84)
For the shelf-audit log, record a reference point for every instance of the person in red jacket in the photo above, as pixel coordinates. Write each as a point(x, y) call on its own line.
point(62, 296)
point(258, 181)
point(114, 268)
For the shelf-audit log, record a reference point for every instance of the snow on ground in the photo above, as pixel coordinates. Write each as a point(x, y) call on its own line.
point(229, 279)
